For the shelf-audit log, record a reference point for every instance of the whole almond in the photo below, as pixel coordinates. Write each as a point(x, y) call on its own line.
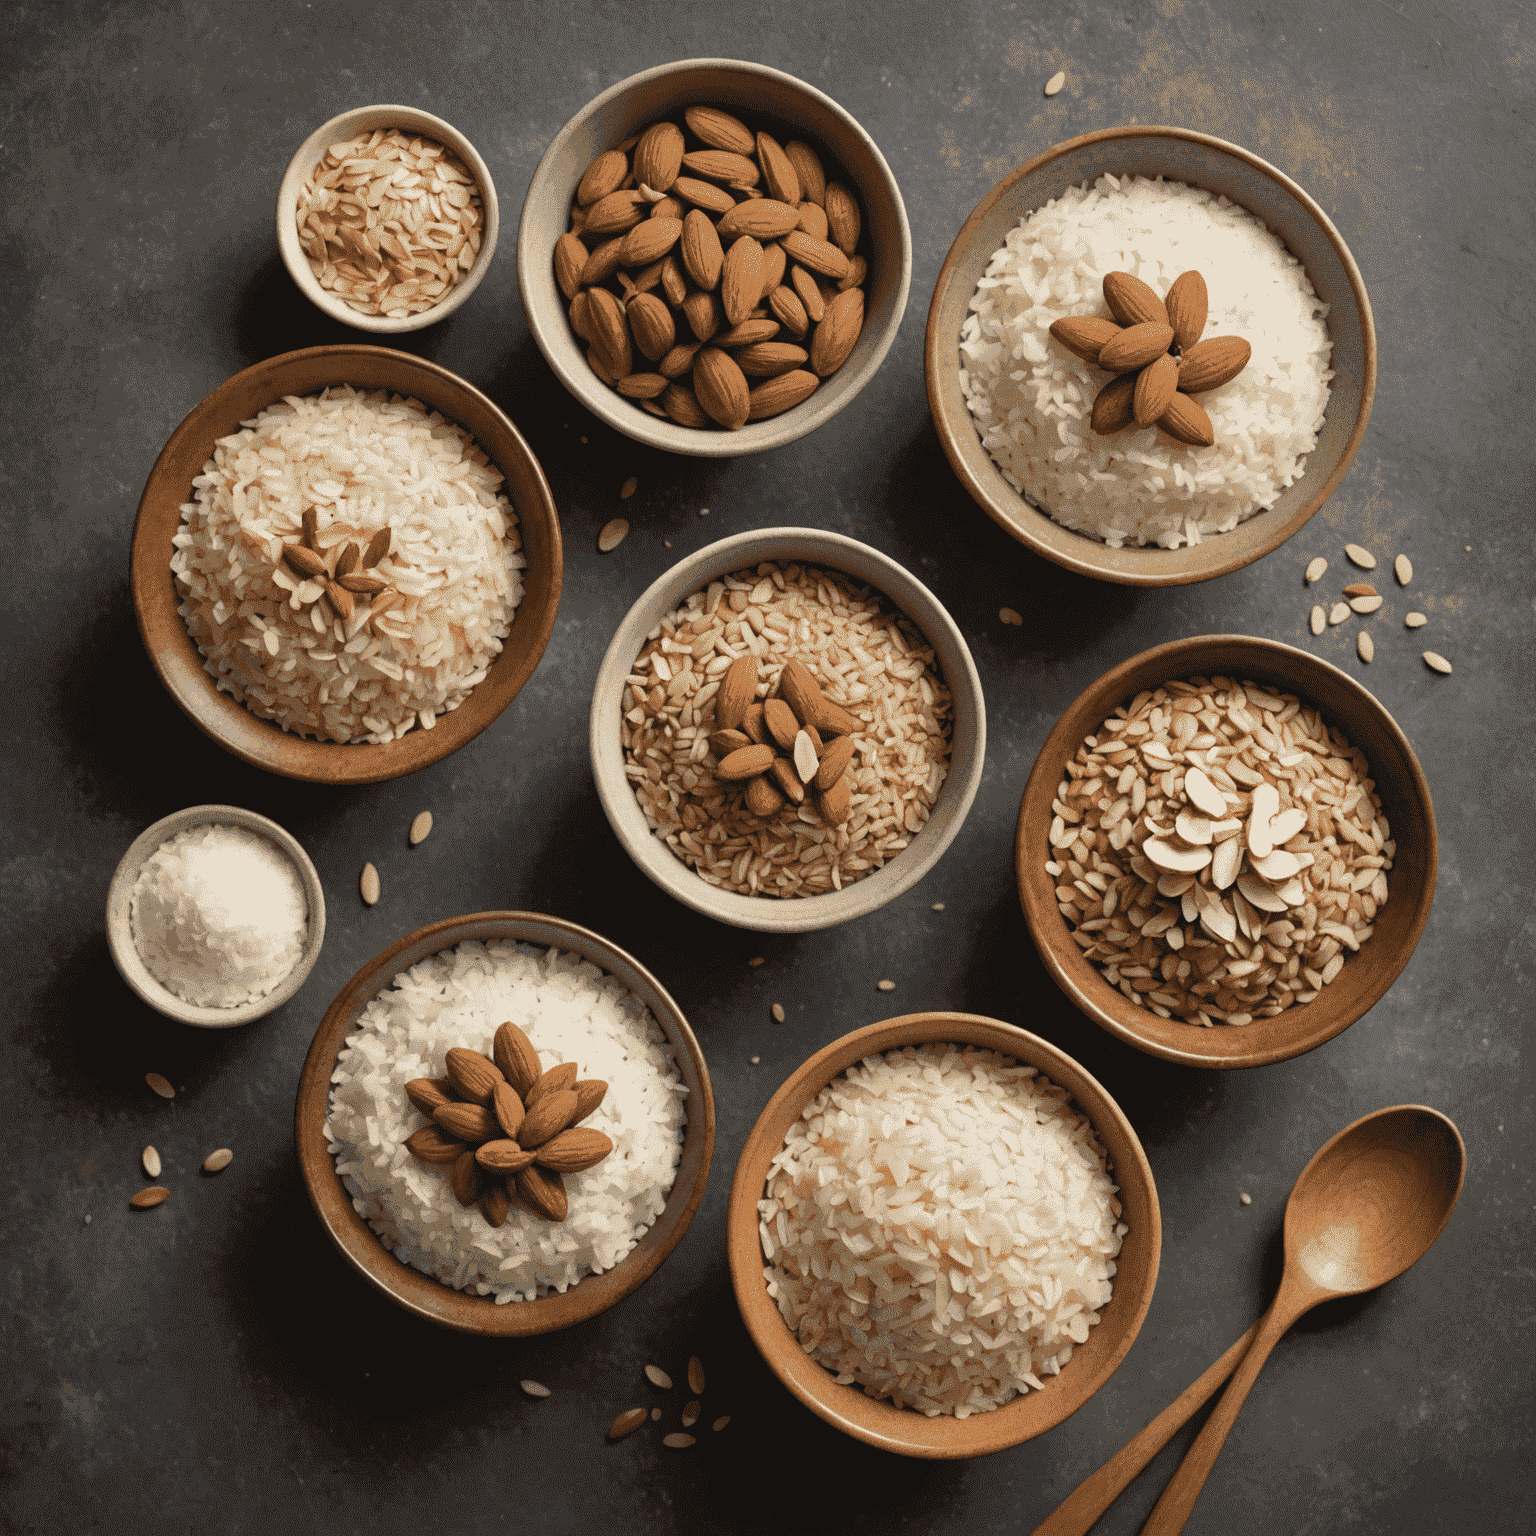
point(147, 1199)
point(807, 164)
point(507, 1106)
point(1185, 420)
point(779, 174)
point(741, 279)
point(627, 1423)
point(426, 1093)
point(787, 781)
point(658, 156)
point(515, 1055)
point(1135, 346)
point(602, 263)
point(553, 1081)
point(1187, 304)
point(834, 764)
point(833, 804)
point(721, 165)
point(494, 1202)
point(858, 270)
point(364, 583)
point(775, 396)
point(752, 724)
point(808, 291)
point(616, 213)
point(432, 1144)
point(303, 562)
point(813, 222)
point(610, 333)
point(784, 303)
point(674, 280)
point(744, 763)
point(1114, 406)
point(502, 1156)
point(719, 129)
point(843, 219)
point(652, 326)
point(469, 1122)
point(703, 313)
point(464, 1179)
point(781, 722)
point(764, 797)
point(547, 1118)
point(598, 363)
point(764, 218)
point(603, 176)
point(682, 406)
point(669, 208)
point(749, 333)
point(737, 690)
point(1083, 335)
point(589, 1093)
point(580, 319)
point(801, 692)
point(767, 359)
point(642, 386)
point(1156, 385)
point(1132, 302)
point(544, 1191)
point(472, 1075)
point(774, 262)
point(1210, 364)
point(721, 387)
point(574, 1151)
point(834, 338)
point(679, 360)
point(703, 194)
point(700, 249)
point(649, 242)
point(218, 1161)
point(815, 255)
point(570, 258)
point(726, 742)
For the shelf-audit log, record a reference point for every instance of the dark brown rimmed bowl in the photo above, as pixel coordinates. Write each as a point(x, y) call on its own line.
point(904, 1430)
point(174, 654)
point(410, 1288)
point(1176, 154)
point(1404, 792)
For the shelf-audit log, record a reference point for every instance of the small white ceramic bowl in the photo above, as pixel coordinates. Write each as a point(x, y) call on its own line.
point(125, 954)
point(968, 742)
point(347, 126)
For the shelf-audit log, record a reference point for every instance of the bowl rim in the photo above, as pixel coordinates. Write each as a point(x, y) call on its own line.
point(353, 121)
point(802, 914)
point(156, 602)
point(1080, 980)
point(534, 268)
point(879, 1422)
point(125, 954)
point(938, 357)
point(412, 1289)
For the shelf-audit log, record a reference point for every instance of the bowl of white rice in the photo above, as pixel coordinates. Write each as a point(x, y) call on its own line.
point(943, 1235)
point(579, 999)
point(416, 484)
point(1011, 404)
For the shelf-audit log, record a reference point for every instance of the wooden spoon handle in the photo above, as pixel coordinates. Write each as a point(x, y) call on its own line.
point(1178, 1498)
point(1077, 1514)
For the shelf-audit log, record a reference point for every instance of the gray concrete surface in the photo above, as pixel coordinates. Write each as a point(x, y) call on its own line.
point(212, 1366)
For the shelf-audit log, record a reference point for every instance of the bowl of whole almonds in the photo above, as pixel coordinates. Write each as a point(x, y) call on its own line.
point(787, 730)
point(714, 257)
point(1226, 851)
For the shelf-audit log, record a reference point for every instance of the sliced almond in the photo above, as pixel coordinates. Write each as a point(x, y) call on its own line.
point(1169, 856)
point(627, 1423)
point(1225, 863)
point(1361, 556)
point(1286, 825)
point(1218, 922)
point(146, 1199)
point(1315, 569)
point(721, 1422)
point(368, 884)
point(658, 1377)
point(1319, 619)
point(217, 1162)
point(1195, 830)
point(690, 1414)
point(1338, 613)
point(160, 1085)
point(1266, 806)
point(1416, 620)
point(1438, 662)
point(1366, 604)
point(1259, 895)
point(678, 1442)
point(1056, 82)
point(151, 1161)
point(805, 758)
point(696, 1375)
point(1365, 647)
point(612, 534)
point(1402, 568)
point(534, 1388)
point(1203, 794)
point(1278, 866)
point(421, 828)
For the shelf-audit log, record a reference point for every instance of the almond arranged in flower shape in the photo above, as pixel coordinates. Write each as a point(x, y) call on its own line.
point(516, 1057)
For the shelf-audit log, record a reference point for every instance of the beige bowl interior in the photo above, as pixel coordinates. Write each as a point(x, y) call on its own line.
point(1200, 160)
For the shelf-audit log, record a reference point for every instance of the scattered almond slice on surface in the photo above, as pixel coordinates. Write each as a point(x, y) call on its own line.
point(1359, 589)
point(421, 827)
point(151, 1161)
point(1056, 82)
point(628, 488)
point(778, 1018)
point(1338, 613)
point(678, 1442)
point(1203, 793)
point(1319, 619)
point(690, 1415)
point(147, 1199)
point(368, 884)
point(1402, 568)
point(627, 1423)
point(756, 960)
point(1416, 620)
point(890, 986)
point(612, 534)
point(1361, 556)
point(216, 1162)
point(1365, 647)
point(696, 1369)
point(1315, 569)
point(1366, 604)
point(721, 1422)
point(1437, 661)
point(160, 1085)
point(534, 1388)
point(658, 1377)
point(1010, 616)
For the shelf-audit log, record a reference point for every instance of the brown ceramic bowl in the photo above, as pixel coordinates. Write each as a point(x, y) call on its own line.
point(1404, 793)
point(174, 654)
point(904, 1430)
point(764, 98)
point(420, 1293)
point(1200, 160)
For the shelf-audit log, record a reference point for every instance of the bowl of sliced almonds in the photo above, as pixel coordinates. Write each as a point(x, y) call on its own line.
point(714, 257)
point(1226, 851)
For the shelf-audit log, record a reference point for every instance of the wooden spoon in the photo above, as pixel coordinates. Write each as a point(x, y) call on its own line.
point(1367, 1207)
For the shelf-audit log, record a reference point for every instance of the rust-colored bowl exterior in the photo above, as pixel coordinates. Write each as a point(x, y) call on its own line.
point(1308, 233)
point(174, 654)
point(904, 1430)
point(1405, 798)
point(420, 1293)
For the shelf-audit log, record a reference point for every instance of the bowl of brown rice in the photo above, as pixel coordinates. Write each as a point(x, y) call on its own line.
point(1011, 402)
point(1150, 901)
point(895, 669)
point(456, 589)
point(387, 219)
point(943, 1235)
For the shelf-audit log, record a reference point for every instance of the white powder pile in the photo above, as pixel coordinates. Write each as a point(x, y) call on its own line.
point(218, 915)
point(1031, 398)
point(571, 1011)
point(941, 1228)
